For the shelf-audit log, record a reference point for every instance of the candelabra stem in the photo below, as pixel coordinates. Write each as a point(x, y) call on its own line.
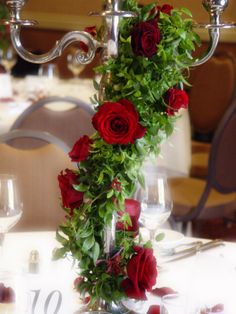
point(214, 39)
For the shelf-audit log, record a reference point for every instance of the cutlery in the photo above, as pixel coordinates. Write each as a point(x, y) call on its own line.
point(176, 250)
point(193, 250)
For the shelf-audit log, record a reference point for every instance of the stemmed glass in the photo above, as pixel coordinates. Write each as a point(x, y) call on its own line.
point(156, 202)
point(10, 204)
point(73, 65)
point(8, 58)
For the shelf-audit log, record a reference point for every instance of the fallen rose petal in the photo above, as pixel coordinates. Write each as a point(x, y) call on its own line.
point(160, 292)
point(154, 309)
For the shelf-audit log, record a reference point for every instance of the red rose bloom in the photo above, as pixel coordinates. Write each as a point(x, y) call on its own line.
point(132, 207)
point(118, 122)
point(176, 99)
point(155, 12)
point(70, 197)
point(80, 150)
point(144, 38)
point(142, 273)
point(93, 32)
point(154, 309)
point(166, 8)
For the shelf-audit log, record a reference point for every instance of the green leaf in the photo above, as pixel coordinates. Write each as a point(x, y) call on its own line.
point(61, 239)
point(187, 12)
point(96, 252)
point(59, 253)
point(159, 237)
point(88, 243)
point(80, 188)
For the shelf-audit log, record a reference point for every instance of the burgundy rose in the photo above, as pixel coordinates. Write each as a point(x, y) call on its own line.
point(145, 37)
point(155, 12)
point(93, 32)
point(132, 207)
point(80, 150)
point(70, 197)
point(166, 8)
point(176, 99)
point(141, 272)
point(154, 309)
point(118, 122)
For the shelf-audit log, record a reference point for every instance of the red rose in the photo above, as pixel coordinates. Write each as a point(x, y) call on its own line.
point(93, 32)
point(166, 8)
point(118, 122)
point(80, 150)
point(176, 99)
point(70, 197)
point(155, 12)
point(144, 38)
point(141, 272)
point(132, 207)
point(154, 309)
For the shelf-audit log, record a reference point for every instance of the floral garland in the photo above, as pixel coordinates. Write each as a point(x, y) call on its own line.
point(4, 30)
point(143, 96)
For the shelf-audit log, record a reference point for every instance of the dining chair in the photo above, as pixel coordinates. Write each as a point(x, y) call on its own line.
point(68, 124)
point(197, 199)
point(37, 170)
point(213, 89)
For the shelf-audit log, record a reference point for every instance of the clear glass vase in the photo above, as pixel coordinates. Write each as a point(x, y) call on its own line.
point(103, 307)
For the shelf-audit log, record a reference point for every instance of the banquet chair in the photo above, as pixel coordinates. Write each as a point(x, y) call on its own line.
point(212, 92)
point(37, 170)
point(68, 124)
point(197, 199)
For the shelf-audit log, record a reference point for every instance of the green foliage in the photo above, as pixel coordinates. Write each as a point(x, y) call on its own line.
point(4, 37)
point(143, 81)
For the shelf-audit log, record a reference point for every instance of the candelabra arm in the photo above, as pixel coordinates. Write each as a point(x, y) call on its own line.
point(56, 51)
point(214, 34)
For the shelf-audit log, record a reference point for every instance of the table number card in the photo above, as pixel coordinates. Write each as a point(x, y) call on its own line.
point(50, 294)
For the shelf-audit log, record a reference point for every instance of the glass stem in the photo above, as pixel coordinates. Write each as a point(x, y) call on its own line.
point(152, 235)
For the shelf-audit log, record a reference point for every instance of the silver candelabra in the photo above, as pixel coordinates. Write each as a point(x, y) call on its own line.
point(109, 43)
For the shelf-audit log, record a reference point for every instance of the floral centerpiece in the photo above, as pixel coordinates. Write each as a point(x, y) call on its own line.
point(143, 93)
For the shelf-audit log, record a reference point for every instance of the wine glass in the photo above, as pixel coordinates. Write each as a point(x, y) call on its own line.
point(49, 70)
point(8, 58)
point(10, 204)
point(73, 65)
point(156, 202)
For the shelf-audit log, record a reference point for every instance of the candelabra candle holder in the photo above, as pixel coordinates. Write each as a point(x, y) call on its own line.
point(127, 129)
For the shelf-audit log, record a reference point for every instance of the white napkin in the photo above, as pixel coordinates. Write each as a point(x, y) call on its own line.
point(5, 85)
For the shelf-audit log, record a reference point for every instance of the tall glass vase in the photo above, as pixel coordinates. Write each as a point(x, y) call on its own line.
point(101, 306)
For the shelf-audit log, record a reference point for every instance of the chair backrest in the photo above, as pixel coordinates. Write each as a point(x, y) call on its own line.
point(37, 171)
point(222, 159)
point(214, 86)
point(68, 125)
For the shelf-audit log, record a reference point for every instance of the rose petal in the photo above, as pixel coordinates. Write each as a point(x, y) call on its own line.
point(154, 309)
point(160, 292)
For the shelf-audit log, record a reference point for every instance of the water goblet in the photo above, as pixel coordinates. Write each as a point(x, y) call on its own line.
point(8, 58)
point(156, 203)
point(73, 65)
point(10, 205)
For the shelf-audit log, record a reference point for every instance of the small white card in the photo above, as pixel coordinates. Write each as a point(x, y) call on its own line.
point(5, 85)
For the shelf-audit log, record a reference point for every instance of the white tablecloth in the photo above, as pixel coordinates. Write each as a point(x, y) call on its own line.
point(210, 274)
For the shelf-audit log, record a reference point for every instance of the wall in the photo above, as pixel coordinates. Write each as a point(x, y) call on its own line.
point(73, 14)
